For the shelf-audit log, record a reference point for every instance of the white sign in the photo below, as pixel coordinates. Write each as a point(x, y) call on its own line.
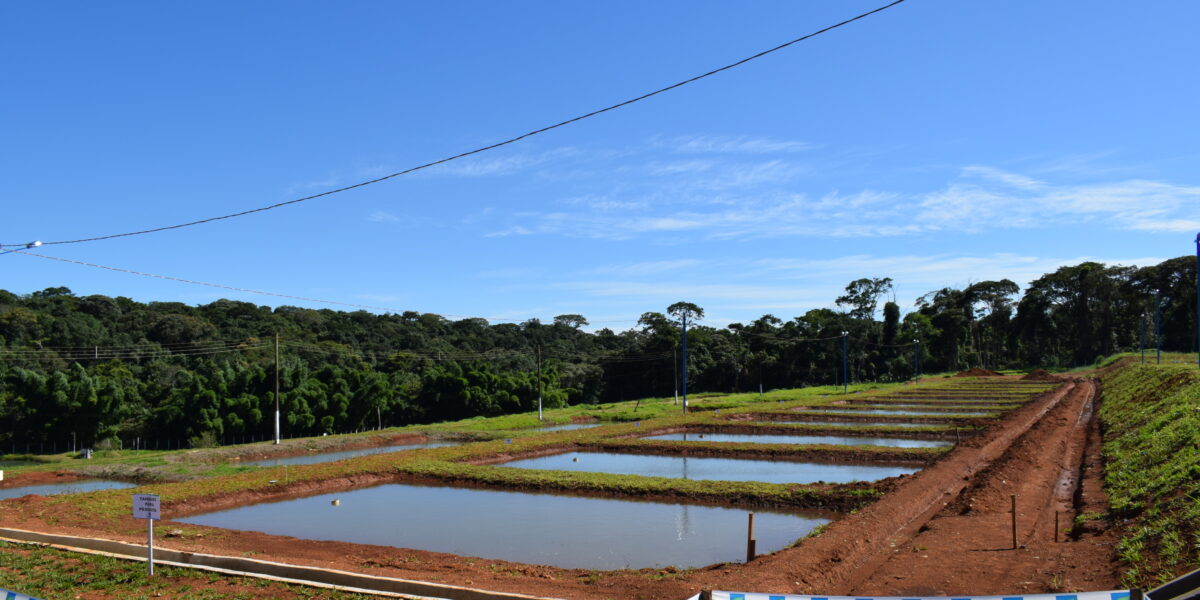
point(145, 506)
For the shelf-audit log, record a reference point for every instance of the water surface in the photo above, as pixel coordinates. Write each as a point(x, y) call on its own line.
point(53, 489)
point(14, 463)
point(563, 531)
point(839, 440)
point(851, 423)
point(567, 427)
point(308, 459)
point(904, 413)
point(710, 469)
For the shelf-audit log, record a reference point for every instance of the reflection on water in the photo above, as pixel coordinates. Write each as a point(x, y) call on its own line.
point(309, 459)
point(799, 439)
point(719, 469)
point(563, 531)
point(71, 487)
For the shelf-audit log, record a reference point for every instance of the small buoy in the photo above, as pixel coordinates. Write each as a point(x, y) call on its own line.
point(335, 502)
point(576, 459)
point(702, 436)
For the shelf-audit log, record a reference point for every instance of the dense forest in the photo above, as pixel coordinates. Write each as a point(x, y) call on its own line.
point(94, 369)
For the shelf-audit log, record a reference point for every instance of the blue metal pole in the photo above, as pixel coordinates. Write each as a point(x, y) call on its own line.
point(685, 363)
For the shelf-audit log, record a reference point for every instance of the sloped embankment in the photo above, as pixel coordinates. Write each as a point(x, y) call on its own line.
point(1151, 420)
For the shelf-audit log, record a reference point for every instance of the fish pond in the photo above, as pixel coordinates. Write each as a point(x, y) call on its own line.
point(547, 529)
point(838, 440)
point(847, 423)
point(711, 469)
point(308, 459)
point(70, 487)
point(904, 413)
point(567, 427)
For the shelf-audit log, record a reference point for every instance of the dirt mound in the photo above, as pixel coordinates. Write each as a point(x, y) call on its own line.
point(977, 372)
point(1039, 375)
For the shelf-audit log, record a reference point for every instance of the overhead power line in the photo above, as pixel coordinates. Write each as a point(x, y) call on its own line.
point(476, 150)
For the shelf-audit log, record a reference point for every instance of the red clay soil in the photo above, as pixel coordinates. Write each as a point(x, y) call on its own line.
point(977, 372)
point(1039, 375)
point(39, 478)
point(945, 530)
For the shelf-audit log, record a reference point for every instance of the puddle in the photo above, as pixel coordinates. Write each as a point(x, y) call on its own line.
point(710, 469)
point(839, 440)
point(53, 489)
point(4, 464)
point(308, 459)
point(562, 531)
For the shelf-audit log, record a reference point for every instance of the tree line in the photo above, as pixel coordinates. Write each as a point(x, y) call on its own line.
point(97, 368)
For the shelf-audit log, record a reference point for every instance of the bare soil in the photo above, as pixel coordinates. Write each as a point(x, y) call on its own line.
point(946, 530)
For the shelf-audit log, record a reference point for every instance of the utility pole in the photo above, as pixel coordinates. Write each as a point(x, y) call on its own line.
point(845, 379)
point(277, 388)
point(675, 367)
point(1142, 340)
point(684, 317)
point(917, 360)
point(539, 363)
point(1157, 330)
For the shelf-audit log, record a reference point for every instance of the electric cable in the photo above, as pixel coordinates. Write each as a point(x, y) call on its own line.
point(476, 150)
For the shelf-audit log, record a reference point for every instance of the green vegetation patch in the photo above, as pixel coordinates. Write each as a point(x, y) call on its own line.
point(1151, 418)
point(746, 493)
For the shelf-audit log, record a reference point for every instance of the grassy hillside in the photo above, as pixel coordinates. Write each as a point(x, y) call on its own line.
point(1151, 419)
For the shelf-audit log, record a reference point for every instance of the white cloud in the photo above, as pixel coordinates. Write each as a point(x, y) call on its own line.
point(657, 267)
point(511, 231)
point(487, 165)
point(380, 216)
point(716, 144)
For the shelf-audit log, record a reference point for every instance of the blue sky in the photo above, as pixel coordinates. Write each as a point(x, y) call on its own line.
point(940, 143)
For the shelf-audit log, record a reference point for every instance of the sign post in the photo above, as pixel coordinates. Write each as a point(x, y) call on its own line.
point(145, 506)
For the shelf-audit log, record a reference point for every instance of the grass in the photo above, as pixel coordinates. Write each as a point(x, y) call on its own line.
point(55, 574)
point(1151, 418)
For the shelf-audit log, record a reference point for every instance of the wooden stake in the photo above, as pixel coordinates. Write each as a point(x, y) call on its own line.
point(1013, 498)
point(750, 541)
